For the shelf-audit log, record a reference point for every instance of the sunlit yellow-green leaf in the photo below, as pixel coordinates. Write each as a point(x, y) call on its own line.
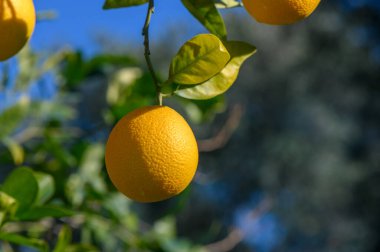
point(198, 60)
point(220, 83)
point(64, 239)
point(8, 207)
point(15, 150)
point(202, 111)
point(223, 4)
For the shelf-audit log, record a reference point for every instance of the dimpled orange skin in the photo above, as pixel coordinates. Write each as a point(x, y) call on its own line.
point(280, 12)
point(17, 21)
point(151, 154)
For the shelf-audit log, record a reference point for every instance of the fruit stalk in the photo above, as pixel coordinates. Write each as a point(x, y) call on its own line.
point(145, 33)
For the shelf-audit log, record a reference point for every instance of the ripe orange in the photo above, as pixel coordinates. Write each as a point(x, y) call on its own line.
point(17, 21)
point(151, 154)
point(280, 12)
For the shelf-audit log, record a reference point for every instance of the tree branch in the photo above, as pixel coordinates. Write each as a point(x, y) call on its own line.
point(145, 33)
point(225, 133)
point(236, 235)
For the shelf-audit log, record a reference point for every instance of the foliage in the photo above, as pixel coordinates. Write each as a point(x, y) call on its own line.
point(64, 193)
point(208, 62)
point(315, 156)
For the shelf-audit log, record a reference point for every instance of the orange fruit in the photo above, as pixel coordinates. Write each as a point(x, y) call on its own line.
point(17, 21)
point(151, 154)
point(280, 12)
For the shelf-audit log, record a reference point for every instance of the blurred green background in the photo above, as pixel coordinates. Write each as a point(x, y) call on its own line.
point(290, 156)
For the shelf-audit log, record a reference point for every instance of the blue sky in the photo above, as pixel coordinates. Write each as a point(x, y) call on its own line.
point(78, 21)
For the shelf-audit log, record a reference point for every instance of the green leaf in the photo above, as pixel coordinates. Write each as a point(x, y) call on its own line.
point(64, 239)
point(75, 189)
point(112, 4)
point(165, 229)
point(81, 248)
point(21, 240)
point(220, 83)
point(57, 150)
point(15, 149)
point(206, 13)
point(76, 68)
point(89, 176)
point(40, 212)
point(21, 185)
point(202, 111)
point(198, 60)
point(91, 167)
point(222, 4)
point(121, 84)
point(46, 187)
point(8, 207)
point(102, 230)
point(118, 205)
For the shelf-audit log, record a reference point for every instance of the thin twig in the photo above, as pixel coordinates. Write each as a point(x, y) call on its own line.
point(145, 33)
point(236, 235)
point(223, 136)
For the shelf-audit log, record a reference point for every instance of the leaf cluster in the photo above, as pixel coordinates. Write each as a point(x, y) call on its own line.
point(56, 195)
point(58, 186)
point(208, 64)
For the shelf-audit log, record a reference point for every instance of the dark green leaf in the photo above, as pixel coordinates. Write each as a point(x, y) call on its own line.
point(39, 212)
point(81, 248)
point(221, 82)
point(54, 146)
point(21, 240)
point(206, 13)
point(46, 187)
point(76, 68)
point(21, 185)
point(112, 4)
point(199, 59)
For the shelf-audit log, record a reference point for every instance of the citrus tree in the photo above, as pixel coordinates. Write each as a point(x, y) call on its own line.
point(59, 200)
